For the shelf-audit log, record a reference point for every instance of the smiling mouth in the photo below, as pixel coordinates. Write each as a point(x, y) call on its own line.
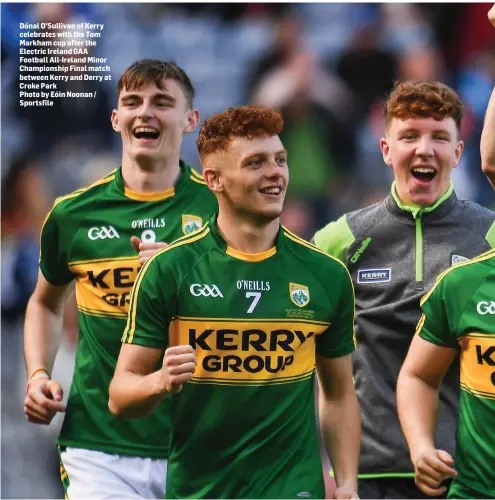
point(146, 133)
point(424, 174)
point(271, 191)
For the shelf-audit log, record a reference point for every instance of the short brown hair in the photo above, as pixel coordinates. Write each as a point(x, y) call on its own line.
point(243, 121)
point(155, 71)
point(423, 99)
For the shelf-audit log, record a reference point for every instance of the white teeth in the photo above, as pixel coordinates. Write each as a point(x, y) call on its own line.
point(145, 129)
point(424, 170)
point(274, 190)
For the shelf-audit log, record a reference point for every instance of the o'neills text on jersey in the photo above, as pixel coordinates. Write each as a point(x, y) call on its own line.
point(257, 286)
point(148, 223)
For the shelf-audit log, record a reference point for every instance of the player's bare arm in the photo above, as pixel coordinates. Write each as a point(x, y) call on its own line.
point(137, 388)
point(340, 421)
point(418, 388)
point(42, 336)
point(487, 145)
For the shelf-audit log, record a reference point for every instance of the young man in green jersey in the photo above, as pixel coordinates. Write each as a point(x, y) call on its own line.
point(246, 320)
point(458, 319)
point(394, 250)
point(88, 238)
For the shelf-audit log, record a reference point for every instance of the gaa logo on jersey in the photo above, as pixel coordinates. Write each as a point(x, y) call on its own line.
point(191, 223)
point(485, 307)
point(299, 294)
point(102, 233)
point(205, 290)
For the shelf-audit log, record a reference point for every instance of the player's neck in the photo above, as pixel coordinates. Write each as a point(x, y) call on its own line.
point(245, 236)
point(150, 177)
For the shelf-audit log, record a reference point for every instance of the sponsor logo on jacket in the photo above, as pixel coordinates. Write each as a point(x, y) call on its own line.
point(381, 275)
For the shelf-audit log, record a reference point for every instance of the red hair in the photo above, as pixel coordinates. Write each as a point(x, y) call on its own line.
point(243, 121)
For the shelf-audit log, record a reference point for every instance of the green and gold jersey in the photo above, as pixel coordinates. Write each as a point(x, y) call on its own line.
point(244, 427)
point(459, 312)
point(86, 238)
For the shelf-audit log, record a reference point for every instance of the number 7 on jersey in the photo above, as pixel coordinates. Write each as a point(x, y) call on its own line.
point(256, 298)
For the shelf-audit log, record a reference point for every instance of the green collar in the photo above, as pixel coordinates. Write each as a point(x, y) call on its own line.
point(417, 211)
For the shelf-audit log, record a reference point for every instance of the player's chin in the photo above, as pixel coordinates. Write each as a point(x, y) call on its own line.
point(271, 213)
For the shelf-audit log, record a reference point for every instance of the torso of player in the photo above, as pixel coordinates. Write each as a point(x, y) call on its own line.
point(250, 322)
point(103, 260)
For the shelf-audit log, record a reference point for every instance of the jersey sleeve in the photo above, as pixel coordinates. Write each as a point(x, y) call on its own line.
point(54, 251)
point(335, 238)
point(339, 339)
point(152, 306)
point(433, 325)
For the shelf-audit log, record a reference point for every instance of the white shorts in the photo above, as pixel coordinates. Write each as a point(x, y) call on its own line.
point(95, 475)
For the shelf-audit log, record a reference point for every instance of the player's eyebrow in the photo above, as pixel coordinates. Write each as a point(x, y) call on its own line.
point(409, 130)
point(164, 97)
point(262, 154)
point(156, 97)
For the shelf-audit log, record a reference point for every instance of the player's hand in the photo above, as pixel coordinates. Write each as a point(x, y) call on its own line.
point(431, 468)
point(179, 364)
point(491, 15)
point(43, 400)
point(146, 249)
point(345, 492)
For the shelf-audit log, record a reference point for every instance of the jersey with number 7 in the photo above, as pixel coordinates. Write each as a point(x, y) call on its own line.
point(244, 427)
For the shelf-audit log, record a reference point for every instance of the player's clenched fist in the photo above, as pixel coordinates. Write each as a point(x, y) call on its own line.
point(431, 468)
point(43, 401)
point(179, 364)
point(146, 248)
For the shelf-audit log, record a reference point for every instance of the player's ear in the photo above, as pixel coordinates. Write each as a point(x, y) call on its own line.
point(192, 120)
point(212, 178)
point(384, 146)
point(115, 121)
point(458, 153)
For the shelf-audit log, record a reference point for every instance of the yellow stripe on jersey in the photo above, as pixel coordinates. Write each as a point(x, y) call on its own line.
point(248, 352)
point(157, 196)
point(477, 364)
point(253, 382)
point(102, 314)
point(420, 325)
point(103, 286)
point(478, 394)
point(198, 178)
point(250, 320)
point(480, 258)
point(131, 320)
point(74, 265)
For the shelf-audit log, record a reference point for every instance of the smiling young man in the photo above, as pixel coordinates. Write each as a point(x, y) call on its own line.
point(394, 250)
point(246, 320)
point(86, 239)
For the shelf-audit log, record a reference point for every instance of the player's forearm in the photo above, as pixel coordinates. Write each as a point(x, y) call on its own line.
point(133, 395)
point(42, 334)
point(341, 431)
point(487, 145)
point(417, 405)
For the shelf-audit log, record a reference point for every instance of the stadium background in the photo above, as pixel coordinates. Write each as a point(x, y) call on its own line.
point(327, 66)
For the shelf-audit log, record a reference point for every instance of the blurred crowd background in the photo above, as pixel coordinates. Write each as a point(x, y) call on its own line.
point(327, 66)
